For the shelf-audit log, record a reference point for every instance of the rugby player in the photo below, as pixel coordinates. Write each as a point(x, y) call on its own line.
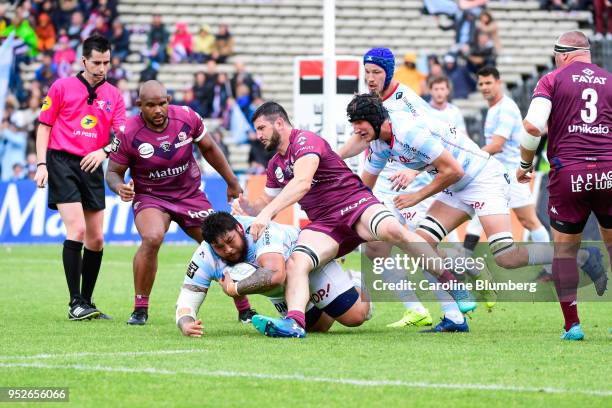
point(575, 103)
point(343, 212)
point(333, 295)
point(157, 148)
point(379, 66)
point(482, 189)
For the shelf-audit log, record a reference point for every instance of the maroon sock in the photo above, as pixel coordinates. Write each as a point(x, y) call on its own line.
point(141, 301)
point(242, 303)
point(298, 316)
point(565, 275)
point(447, 277)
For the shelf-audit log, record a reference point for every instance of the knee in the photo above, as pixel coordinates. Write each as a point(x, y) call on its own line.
point(392, 232)
point(75, 231)
point(354, 318)
point(507, 261)
point(95, 243)
point(374, 251)
point(152, 240)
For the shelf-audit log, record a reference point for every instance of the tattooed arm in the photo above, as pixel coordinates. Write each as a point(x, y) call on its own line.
point(269, 275)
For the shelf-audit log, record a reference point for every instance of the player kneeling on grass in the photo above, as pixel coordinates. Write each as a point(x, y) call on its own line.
point(243, 266)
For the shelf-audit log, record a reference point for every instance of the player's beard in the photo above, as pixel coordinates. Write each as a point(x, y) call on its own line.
point(274, 141)
point(243, 253)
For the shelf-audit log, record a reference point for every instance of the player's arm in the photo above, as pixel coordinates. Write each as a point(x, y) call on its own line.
point(42, 142)
point(496, 145)
point(242, 206)
point(115, 178)
point(188, 304)
point(213, 155)
point(534, 125)
point(369, 179)
point(269, 274)
point(303, 173)
point(449, 172)
point(352, 147)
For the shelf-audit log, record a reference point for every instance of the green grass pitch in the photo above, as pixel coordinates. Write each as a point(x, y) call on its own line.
point(511, 357)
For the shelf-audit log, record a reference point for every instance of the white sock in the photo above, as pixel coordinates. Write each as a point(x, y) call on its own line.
point(540, 255)
point(539, 234)
point(415, 306)
point(455, 317)
point(409, 297)
point(447, 303)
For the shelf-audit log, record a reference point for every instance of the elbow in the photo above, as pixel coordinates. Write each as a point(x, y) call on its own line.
point(305, 186)
point(531, 129)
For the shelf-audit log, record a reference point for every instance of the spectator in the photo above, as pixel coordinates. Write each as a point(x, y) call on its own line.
point(75, 29)
point(100, 26)
point(107, 9)
point(217, 136)
point(221, 92)
point(224, 44)
point(116, 72)
point(190, 101)
point(241, 76)
point(61, 15)
point(463, 83)
point(27, 42)
point(203, 44)
point(408, 75)
point(481, 54)
point(45, 33)
point(31, 166)
point(27, 119)
point(129, 97)
point(64, 57)
point(599, 8)
point(15, 142)
point(243, 99)
point(150, 71)
point(4, 21)
point(486, 24)
point(46, 74)
point(258, 156)
point(157, 40)
point(18, 172)
point(181, 44)
point(120, 38)
point(202, 92)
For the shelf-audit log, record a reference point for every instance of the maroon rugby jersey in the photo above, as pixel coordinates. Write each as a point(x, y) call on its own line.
point(162, 163)
point(580, 123)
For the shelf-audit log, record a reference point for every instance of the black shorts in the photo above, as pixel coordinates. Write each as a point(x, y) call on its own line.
point(69, 184)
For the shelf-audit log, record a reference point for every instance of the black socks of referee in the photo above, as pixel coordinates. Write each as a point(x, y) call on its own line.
point(74, 266)
point(71, 256)
point(91, 268)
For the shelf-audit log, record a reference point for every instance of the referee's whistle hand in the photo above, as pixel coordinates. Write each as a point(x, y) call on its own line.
point(41, 176)
point(93, 160)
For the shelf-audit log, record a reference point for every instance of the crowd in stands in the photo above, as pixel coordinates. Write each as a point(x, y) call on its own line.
point(49, 34)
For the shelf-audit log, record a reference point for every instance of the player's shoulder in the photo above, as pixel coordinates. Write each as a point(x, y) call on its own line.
point(179, 112)
point(508, 104)
point(301, 141)
point(133, 125)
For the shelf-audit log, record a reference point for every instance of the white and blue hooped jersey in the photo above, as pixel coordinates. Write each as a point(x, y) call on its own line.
point(504, 119)
point(417, 141)
point(452, 115)
point(206, 265)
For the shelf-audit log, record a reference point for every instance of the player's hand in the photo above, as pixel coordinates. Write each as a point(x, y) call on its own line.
point(402, 178)
point(406, 200)
point(41, 176)
point(524, 175)
point(228, 285)
point(126, 191)
point(259, 225)
point(233, 191)
point(193, 329)
point(241, 206)
point(93, 160)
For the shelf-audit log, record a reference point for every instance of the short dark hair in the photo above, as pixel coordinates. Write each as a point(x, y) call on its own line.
point(488, 71)
point(271, 111)
point(438, 80)
point(95, 42)
point(216, 225)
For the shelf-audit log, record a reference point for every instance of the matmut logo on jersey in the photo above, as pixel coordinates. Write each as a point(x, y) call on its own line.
point(89, 122)
point(169, 172)
point(588, 78)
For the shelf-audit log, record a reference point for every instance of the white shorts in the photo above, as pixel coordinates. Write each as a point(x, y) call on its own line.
point(409, 216)
point(487, 194)
point(520, 194)
point(326, 284)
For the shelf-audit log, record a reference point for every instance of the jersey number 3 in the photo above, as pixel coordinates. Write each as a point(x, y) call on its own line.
point(589, 114)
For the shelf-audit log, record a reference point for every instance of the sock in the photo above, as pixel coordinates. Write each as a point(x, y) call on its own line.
point(71, 256)
point(298, 316)
point(91, 268)
point(540, 254)
point(141, 302)
point(446, 277)
point(539, 234)
point(565, 275)
point(455, 316)
point(415, 306)
point(242, 303)
point(448, 304)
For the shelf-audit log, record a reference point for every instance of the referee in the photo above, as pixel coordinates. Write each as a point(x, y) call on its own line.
point(72, 141)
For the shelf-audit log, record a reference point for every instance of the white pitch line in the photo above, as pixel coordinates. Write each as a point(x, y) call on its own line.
point(298, 377)
point(102, 354)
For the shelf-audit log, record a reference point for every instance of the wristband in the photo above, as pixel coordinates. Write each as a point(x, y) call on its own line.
point(526, 165)
point(41, 164)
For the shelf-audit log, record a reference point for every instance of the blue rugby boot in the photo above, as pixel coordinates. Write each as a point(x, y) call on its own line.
point(277, 327)
point(575, 333)
point(446, 325)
